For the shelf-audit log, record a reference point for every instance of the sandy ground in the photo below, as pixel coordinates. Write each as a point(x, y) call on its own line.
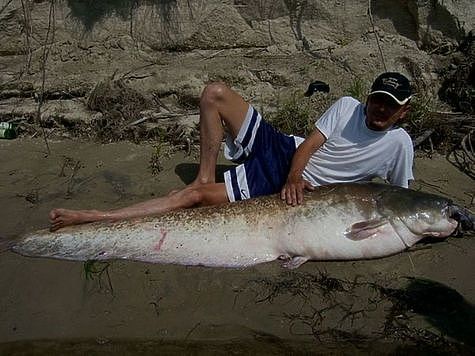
point(423, 297)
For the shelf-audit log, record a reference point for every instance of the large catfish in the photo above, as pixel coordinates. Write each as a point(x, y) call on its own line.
point(335, 222)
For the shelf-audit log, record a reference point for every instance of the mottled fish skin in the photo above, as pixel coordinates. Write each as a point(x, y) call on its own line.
point(335, 222)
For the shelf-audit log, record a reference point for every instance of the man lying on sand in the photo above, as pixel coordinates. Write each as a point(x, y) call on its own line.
point(351, 142)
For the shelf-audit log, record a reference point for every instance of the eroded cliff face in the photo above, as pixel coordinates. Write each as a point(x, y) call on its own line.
point(169, 49)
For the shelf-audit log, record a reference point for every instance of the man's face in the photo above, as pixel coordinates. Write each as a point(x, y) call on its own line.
point(382, 112)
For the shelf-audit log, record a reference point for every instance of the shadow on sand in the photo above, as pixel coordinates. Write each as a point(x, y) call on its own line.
point(188, 171)
point(443, 307)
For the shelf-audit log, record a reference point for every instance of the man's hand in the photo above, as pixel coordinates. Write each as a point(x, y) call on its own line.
point(292, 192)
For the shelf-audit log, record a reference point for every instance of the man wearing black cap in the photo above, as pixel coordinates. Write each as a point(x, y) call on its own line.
point(356, 142)
point(351, 142)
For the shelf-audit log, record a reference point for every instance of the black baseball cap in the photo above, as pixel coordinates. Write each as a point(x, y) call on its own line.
point(395, 85)
point(317, 86)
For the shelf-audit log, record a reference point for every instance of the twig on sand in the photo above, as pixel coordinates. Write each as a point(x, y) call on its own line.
point(433, 186)
point(93, 268)
point(418, 248)
point(423, 137)
point(467, 146)
point(463, 156)
point(127, 75)
point(77, 166)
point(412, 263)
point(472, 199)
point(155, 116)
point(213, 55)
point(139, 121)
point(191, 330)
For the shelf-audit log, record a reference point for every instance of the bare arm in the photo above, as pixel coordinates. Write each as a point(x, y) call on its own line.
point(292, 192)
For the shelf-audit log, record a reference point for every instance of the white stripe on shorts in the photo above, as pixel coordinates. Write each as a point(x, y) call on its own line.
point(233, 149)
point(242, 182)
point(238, 190)
point(229, 186)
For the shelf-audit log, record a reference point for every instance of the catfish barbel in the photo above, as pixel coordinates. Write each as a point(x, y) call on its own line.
point(334, 222)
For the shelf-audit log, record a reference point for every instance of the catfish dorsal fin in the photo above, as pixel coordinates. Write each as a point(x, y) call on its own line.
point(364, 229)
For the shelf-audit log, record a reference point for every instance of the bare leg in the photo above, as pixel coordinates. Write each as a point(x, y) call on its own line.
point(207, 194)
point(218, 104)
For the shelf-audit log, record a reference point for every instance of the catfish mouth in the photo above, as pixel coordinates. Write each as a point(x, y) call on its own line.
point(463, 217)
point(452, 227)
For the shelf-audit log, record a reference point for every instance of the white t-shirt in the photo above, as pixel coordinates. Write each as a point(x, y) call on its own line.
point(352, 152)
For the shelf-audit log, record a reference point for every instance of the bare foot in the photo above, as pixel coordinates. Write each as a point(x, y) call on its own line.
point(59, 218)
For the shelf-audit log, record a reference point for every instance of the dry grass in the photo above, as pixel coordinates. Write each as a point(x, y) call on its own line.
point(119, 105)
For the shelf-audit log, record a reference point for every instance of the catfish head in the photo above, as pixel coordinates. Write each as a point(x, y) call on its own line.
point(415, 215)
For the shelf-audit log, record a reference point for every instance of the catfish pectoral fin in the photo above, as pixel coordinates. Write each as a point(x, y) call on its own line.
point(295, 262)
point(364, 229)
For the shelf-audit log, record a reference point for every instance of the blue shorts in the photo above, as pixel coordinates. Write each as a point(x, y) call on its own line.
point(264, 154)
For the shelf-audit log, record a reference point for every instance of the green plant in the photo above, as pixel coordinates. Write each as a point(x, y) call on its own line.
point(358, 89)
point(155, 162)
point(96, 269)
point(418, 118)
point(294, 115)
point(425, 126)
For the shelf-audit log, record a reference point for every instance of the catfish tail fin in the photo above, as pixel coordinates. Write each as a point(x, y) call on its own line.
point(6, 244)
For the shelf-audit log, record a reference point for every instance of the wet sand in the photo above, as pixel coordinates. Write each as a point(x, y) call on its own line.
point(335, 307)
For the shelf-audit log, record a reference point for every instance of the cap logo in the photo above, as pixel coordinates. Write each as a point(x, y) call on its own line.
point(392, 82)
